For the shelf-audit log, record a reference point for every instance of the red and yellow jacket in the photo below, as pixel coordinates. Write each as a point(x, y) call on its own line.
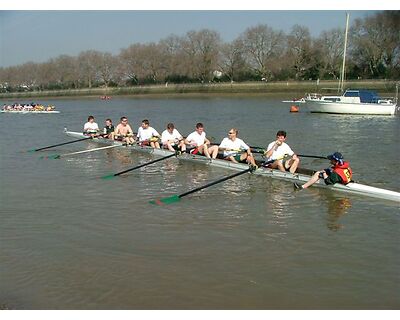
point(344, 171)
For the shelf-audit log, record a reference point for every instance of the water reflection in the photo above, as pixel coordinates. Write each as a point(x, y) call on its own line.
point(278, 201)
point(337, 207)
point(122, 156)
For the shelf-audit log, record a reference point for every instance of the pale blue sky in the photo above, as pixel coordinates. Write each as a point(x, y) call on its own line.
point(40, 35)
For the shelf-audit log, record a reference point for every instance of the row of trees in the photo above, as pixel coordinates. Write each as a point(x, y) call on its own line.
point(259, 53)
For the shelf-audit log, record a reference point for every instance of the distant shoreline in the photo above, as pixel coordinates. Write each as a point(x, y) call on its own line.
point(287, 89)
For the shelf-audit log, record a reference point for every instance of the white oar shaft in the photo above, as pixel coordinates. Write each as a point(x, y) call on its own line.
point(91, 150)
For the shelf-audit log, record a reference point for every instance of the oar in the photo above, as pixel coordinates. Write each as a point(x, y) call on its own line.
point(60, 144)
point(262, 150)
point(253, 149)
point(112, 175)
point(309, 156)
point(58, 156)
point(177, 197)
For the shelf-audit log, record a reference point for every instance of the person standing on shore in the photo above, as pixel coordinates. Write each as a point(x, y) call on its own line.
point(281, 154)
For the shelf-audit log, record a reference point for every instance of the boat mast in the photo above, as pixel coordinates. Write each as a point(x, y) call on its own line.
point(341, 82)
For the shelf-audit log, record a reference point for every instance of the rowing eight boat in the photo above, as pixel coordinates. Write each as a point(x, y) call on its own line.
point(301, 177)
point(30, 112)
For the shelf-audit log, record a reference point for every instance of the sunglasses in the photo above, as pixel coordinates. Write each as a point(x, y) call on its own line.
point(231, 133)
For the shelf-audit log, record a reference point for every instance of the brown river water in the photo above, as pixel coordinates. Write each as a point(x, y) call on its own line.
point(69, 240)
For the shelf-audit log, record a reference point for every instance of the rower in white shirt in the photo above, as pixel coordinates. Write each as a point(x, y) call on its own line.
point(148, 136)
point(91, 128)
point(283, 156)
point(171, 139)
point(235, 149)
point(200, 144)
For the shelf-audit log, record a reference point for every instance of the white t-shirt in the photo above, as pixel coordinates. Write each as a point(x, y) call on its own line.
point(175, 135)
point(195, 138)
point(146, 134)
point(281, 151)
point(91, 127)
point(229, 144)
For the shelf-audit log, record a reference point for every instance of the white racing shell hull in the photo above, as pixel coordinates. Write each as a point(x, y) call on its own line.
point(352, 187)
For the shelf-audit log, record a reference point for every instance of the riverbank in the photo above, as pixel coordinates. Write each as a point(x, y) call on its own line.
point(286, 89)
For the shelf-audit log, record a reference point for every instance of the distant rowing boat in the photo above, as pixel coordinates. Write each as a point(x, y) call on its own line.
point(295, 101)
point(29, 112)
point(301, 177)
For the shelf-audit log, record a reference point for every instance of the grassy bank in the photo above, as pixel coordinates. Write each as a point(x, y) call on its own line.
point(287, 89)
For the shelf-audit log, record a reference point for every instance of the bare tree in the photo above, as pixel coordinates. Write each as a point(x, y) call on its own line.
point(11, 77)
point(129, 63)
point(175, 61)
point(106, 66)
point(299, 47)
point(262, 44)
point(231, 60)
point(66, 70)
point(201, 49)
point(329, 49)
point(376, 43)
point(87, 68)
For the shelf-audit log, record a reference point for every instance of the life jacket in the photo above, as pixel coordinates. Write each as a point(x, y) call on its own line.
point(344, 171)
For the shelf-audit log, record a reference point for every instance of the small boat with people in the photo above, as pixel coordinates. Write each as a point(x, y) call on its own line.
point(302, 175)
point(28, 108)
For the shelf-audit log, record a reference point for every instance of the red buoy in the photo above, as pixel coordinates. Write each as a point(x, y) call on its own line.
point(294, 108)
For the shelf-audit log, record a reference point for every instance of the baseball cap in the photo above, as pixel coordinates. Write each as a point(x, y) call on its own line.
point(336, 156)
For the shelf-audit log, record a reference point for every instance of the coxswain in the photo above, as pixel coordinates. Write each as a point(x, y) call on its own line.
point(339, 172)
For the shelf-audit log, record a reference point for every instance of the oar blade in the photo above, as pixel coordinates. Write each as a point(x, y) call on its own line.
point(108, 177)
point(168, 200)
point(51, 156)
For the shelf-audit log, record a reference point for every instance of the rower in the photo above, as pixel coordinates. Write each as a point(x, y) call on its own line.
point(148, 136)
point(235, 149)
point(123, 132)
point(199, 144)
point(339, 172)
point(281, 154)
point(91, 128)
point(172, 140)
point(109, 129)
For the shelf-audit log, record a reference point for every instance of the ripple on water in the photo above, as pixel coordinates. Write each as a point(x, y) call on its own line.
point(72, 240)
